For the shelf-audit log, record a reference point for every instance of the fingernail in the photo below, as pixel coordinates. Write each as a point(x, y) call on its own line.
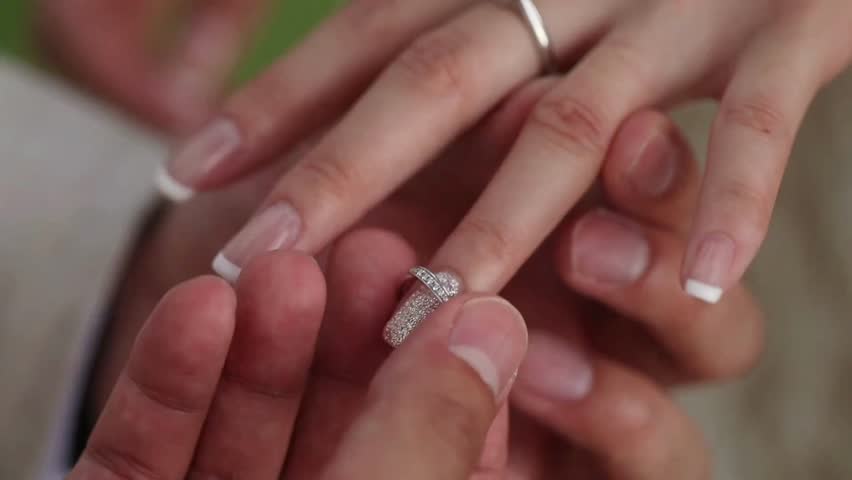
point(276, 227)
point(555, 369)
point(199, 155)
point(709, 267)
point(653, 171)
point(171, 188)
point(418, 304)
point(489, 334)
point(609, 249)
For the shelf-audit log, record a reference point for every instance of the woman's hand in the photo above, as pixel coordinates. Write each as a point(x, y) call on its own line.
point(112, 47)
point(442, 65)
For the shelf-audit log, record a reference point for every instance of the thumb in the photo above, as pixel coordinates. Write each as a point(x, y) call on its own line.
point(432, 403)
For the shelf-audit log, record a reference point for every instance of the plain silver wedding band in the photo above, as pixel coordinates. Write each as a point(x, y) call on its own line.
point(528, 10)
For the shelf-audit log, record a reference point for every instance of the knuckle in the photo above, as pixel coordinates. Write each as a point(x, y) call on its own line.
point(571, 124)
point(623, 58)
point(186, 401)
point(760, 116)
point(271, 389)
point(487, 240)
point(748, 203)
point(258, 107)
point(120, 463)
point(436, 63)
point(331, 179)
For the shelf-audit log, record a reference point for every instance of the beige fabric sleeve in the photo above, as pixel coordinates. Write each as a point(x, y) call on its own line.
point(75, 179)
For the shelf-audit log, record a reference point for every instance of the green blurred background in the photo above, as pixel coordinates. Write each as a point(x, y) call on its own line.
point(288, 21)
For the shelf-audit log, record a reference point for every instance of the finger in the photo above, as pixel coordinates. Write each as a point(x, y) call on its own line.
point(750, 144)
point(555, 160)
point(650, 172)
point(535, 187)
point(432, 403)
point(633, 429)
point(633, 268)
point(364, 272)
point(152, 420)
point(438, 88)
point(207, 52)
point(248, 429)
point(113, 58)
point(307, 89)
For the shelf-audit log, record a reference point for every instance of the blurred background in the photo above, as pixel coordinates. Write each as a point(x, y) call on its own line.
point(283, 26)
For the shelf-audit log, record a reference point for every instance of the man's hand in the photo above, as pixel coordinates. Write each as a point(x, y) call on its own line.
point(213, 375)
point(215, 381)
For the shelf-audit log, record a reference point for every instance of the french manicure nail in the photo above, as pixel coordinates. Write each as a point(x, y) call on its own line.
point(277, 227)
point(710, 265)
point(654, 169)
point(609, 249)
point(171, 188)
point(555, 369)
point(489, 335)
point(199, 155)
point(419, 303)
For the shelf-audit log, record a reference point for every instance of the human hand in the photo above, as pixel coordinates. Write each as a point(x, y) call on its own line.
point(606, 347)
point(765, 60)
point(215, 382)
point(117, 49)
point(648, 335)
point(253, 386)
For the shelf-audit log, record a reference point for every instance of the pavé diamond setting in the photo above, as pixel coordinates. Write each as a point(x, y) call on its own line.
point(431, 291)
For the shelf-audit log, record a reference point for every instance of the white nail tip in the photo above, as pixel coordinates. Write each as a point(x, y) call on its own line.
point(703, 291)
point(226, 268)
point(171, 188)
point(480, 363)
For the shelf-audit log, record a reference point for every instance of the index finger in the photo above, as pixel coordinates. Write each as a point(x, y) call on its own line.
point(166, 389)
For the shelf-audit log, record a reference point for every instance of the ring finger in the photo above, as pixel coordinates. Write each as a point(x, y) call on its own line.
point(559, 153)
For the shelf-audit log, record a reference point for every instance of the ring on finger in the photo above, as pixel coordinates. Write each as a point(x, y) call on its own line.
point(531, 15)
point(434, 290)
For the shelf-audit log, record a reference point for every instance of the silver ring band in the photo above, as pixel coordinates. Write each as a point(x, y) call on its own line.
point(426, 277)
point(532, 15)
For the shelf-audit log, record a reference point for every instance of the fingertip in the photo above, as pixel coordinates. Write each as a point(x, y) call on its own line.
point(645, 158)
point(711, 294)
point(604, 250)
point(287, 275)
point(650, 162)
point(195, 321)
point(490, 336)
point(206, 293)
point(710, 266)
point(170, 188)
point(228, 270)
